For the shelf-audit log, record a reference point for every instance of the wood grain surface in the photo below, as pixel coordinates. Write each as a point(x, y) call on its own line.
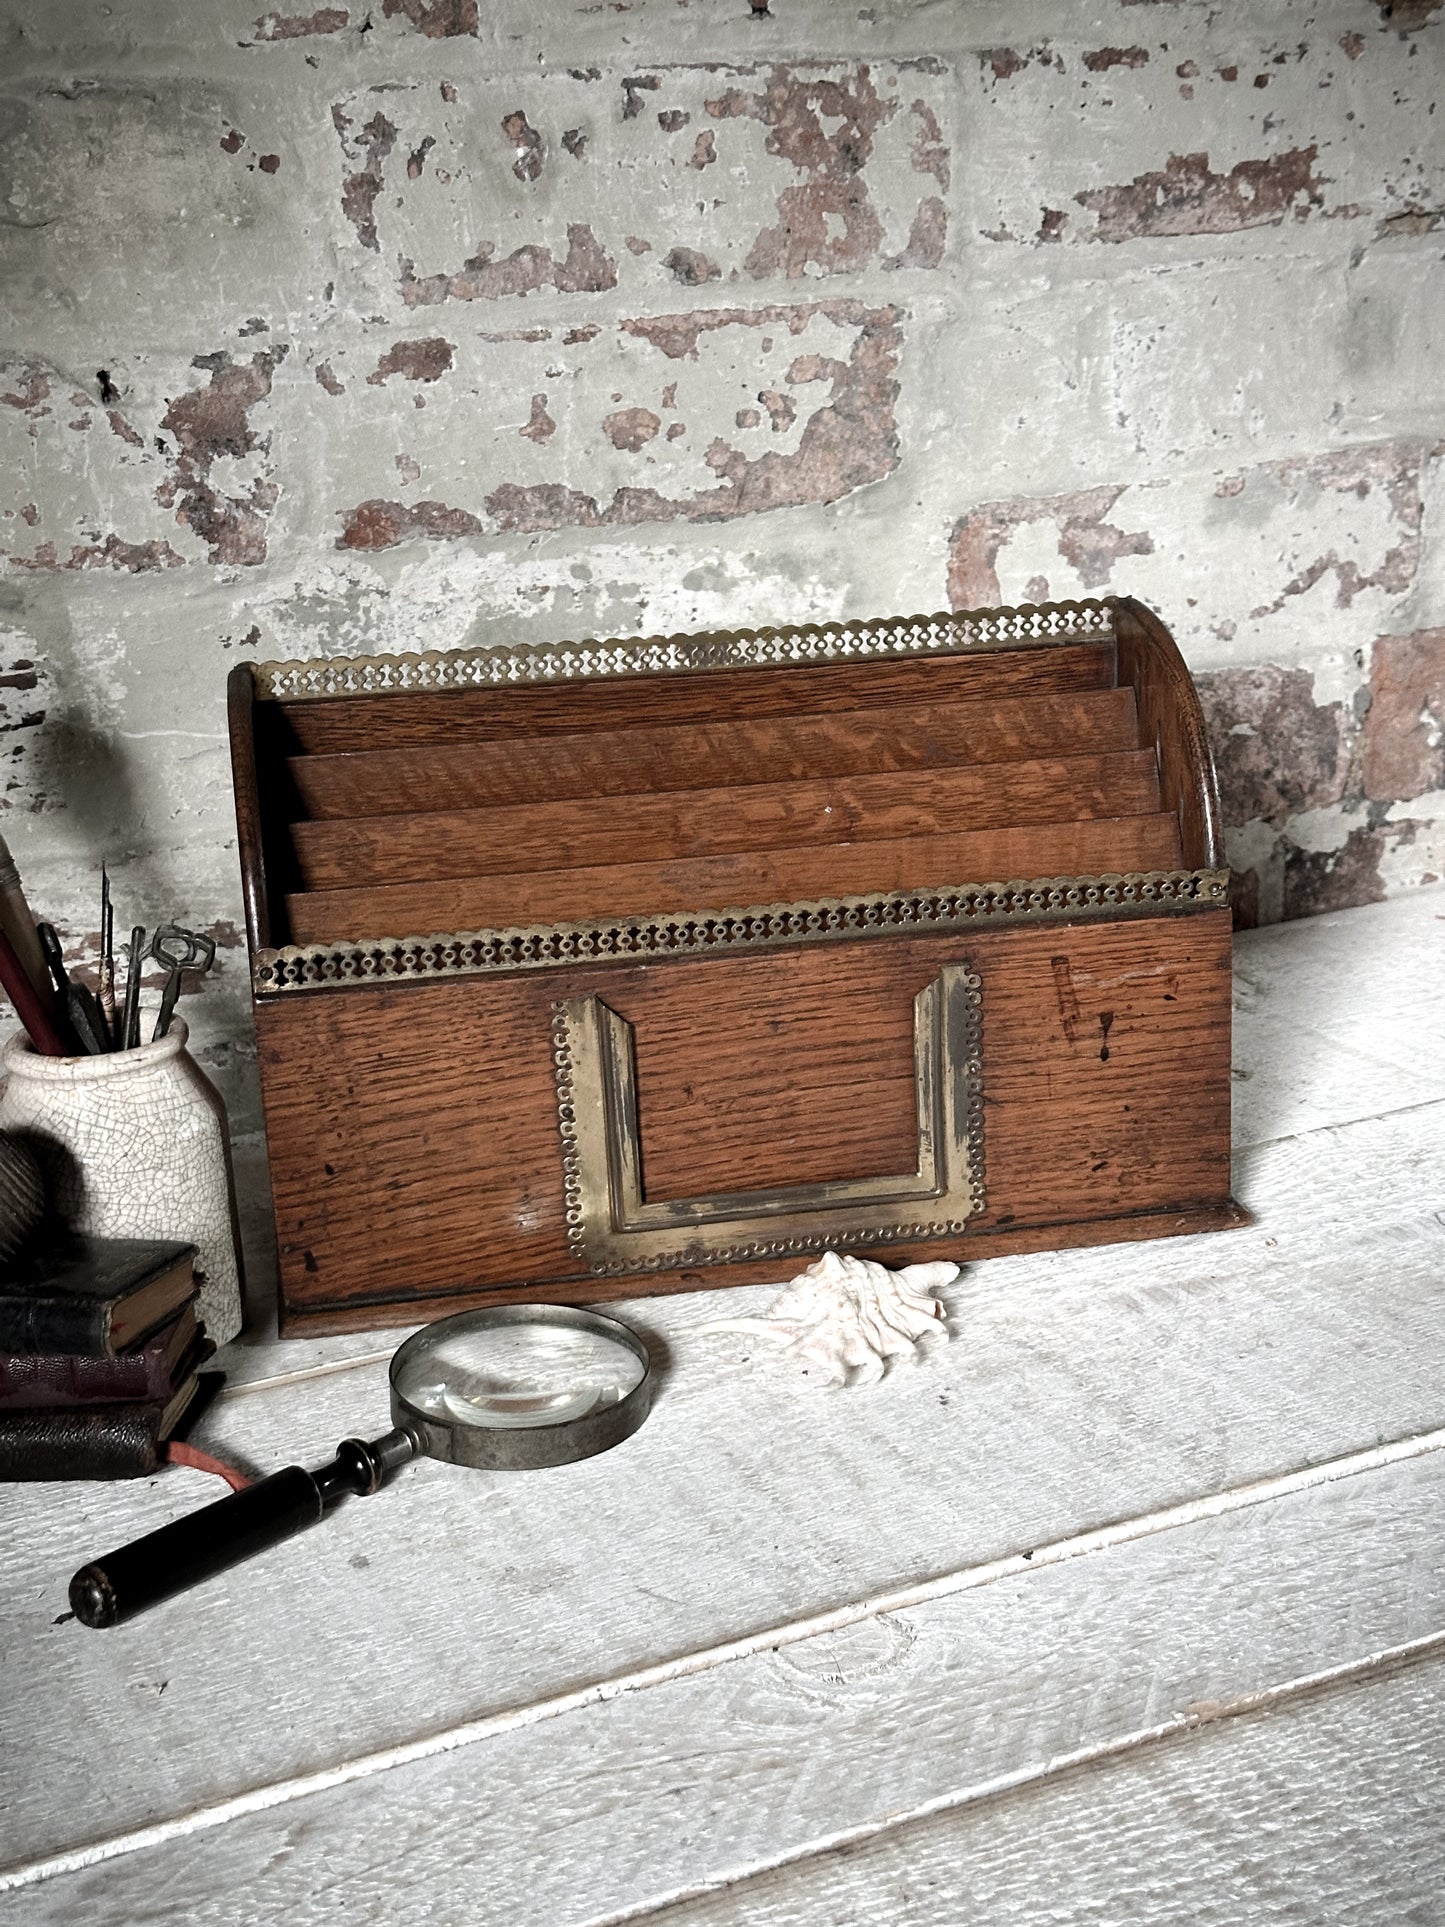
point(369, 1723)
point(684, 885)
point(424, 845)
point(333, 725)
point(926, 734)
point(414, 1137)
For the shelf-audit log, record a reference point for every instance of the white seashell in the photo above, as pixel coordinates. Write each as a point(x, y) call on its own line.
point(846, 1314)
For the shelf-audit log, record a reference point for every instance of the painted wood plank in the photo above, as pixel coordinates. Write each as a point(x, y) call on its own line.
point(599, 1813)
point(1081, 1388)
point(1324, 1809)
point(1339, 1017)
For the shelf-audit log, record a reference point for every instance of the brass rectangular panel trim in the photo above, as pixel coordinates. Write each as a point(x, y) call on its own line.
point(613, 1228)
point(366, 962)
point(1033, 625)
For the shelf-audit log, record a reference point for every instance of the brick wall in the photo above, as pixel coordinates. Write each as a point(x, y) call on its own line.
point(413, 323)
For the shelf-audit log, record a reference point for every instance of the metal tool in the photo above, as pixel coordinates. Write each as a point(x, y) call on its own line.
point(107, 961)
point(130, 1013)
point(179, 950)
point(506, 1388)
point(80, 1009)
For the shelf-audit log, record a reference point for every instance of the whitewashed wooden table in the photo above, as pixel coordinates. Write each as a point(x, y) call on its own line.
point(1128, 1606)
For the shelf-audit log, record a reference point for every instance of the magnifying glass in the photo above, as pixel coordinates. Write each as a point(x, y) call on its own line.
point(507, 1388)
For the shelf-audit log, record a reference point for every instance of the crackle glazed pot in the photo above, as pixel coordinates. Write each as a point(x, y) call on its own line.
point(134, 1145)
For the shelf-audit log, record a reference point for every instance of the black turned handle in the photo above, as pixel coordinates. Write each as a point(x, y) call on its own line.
point(182, 1554)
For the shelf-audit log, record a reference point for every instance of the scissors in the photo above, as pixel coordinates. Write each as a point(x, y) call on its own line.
point(179, 950)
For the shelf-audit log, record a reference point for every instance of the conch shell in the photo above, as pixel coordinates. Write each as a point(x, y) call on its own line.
point(847, 1314)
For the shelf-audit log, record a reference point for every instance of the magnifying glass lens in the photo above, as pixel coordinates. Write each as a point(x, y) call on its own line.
point(510, 1376)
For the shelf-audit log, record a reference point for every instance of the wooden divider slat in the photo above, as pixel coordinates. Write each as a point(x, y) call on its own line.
point(1110, 844)
point(333, 725)
point(426, 846)
point(451, 776)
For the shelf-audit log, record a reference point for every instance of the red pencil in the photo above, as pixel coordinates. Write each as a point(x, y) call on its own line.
point(28, 1007)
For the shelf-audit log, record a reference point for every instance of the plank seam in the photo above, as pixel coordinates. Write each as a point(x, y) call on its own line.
point(710, 1658)
point(1268, 1699)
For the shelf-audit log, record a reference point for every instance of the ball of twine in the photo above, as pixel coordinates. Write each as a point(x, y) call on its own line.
point(22, 1194)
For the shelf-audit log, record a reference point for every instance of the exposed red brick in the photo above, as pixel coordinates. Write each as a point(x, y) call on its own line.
point(1086, 539)
point(1403, 749)
point(416, 159)
point(269, 163)
point(691, 268)
point(677, 335)
point(381, 525)
point(1004, 62)
point(425, 360)
point(437, 19)
point(1107, 57)
point(540, 427)
point(528, 144)
point(31, 390)
point(631, 428)
point(1414, 220)
point(586, 267)
point(300, 26)
point(1316, 882)
point(211, 422)
point(1393, 467)
point(704, 150)
point(633, 90)
point(575, 142)
point(326, 376)
point(121, 427)
point(847, 443)
point(542, 505)
point(360, 189)
point(927, 151)
point(1406, 15)
point(1186, 197)
point(927, 238)
point(825, 127)
point(782, 409)
point(673, 121)
point(1277, 751)
point(136, 558)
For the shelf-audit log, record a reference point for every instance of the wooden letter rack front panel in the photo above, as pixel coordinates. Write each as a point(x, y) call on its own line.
point(642, 966)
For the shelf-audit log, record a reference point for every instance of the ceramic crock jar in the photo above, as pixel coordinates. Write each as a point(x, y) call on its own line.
point(134, 1145)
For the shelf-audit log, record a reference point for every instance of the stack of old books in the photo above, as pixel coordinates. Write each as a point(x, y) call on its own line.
point(99, 1349)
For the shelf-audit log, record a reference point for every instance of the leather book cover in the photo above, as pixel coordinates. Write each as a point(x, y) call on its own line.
point(71, 1293)
point(101, 1442)
point(148, 1373)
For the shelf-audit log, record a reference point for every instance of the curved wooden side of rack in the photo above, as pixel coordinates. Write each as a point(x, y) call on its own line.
point(1171, 719)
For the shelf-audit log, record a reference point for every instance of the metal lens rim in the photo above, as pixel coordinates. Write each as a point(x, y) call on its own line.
point(523, 1447)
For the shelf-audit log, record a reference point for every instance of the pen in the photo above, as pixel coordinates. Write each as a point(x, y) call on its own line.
point(130, 1015)
point(107, 959)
